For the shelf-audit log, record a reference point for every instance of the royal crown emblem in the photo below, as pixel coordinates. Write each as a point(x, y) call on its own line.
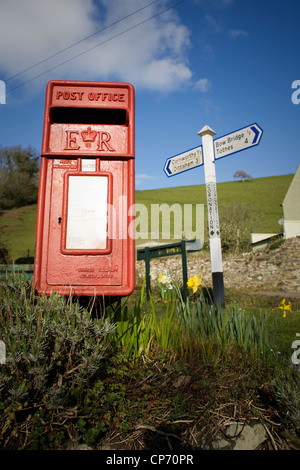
point(88, 136)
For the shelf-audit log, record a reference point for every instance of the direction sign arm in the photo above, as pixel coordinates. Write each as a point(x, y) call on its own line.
point(237, 141)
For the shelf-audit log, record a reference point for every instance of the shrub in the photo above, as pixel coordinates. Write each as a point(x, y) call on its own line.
point(286, 390)
point(237, 222)
point(52, 349)
point(275, 245)
point(19, 169)
point(4, 254)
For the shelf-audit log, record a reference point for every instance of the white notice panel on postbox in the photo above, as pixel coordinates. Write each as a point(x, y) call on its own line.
point(87, 213)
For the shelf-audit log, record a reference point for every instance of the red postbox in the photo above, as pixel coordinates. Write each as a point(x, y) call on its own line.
point(85, 218)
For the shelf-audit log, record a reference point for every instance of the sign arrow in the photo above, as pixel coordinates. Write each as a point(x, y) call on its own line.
point(184, 161)
point(237, 141)
point(256, 132)
point(169, 172)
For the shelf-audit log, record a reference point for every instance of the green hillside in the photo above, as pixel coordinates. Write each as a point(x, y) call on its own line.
point(17, 230)
point(264, 195)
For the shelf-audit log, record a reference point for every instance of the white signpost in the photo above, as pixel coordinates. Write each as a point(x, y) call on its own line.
point(184, 161)
point(236, 141)
point(206, 154)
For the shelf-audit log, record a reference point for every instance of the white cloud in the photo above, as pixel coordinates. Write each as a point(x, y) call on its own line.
point(208, 53)
point(217, 26)
point(32, 30)
point(151, 55)
point(214, 26)
point(142, 178)
point(203, 85)
point(216, 4)
point(236, 33)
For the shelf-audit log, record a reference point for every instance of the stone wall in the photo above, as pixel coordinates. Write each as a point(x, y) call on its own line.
point(268, 270)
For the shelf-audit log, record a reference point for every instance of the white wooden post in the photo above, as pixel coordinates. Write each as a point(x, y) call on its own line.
point(212, 214)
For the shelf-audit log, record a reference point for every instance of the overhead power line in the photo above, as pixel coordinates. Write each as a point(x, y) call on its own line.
point(92, 47)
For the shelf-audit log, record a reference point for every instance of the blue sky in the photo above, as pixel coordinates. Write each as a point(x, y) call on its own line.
point(224, 63)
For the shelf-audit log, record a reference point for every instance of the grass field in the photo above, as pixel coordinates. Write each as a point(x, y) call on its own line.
point(264, 194)
point(17, 226)
point(18, 231)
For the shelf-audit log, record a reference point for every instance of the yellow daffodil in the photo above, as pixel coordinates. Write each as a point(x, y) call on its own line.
point(164, 279)
point(194, 283)
point(285, 307)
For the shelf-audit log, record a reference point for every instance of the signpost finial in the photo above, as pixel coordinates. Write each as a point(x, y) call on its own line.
point(206, 130)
